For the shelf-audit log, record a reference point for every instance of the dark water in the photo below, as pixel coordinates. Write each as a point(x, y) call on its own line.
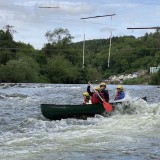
point(26, 134)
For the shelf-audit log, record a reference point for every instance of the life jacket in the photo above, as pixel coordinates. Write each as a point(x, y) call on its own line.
point(104, 96)
point(95, 99)
point(120, 95)
point(87, 102)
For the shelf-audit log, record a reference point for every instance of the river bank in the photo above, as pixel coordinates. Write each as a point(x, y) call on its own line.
point(139, 77)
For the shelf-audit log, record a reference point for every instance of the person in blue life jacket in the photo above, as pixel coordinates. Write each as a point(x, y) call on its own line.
point(103, 92)
point(120, 93)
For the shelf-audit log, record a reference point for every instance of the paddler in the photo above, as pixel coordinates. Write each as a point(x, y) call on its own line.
point(86, 97)
point(94, 97)
point(120, 93)
point(103, 92)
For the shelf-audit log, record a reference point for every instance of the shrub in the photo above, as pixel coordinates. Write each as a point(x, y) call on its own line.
point(155, 78)
point(18, 71)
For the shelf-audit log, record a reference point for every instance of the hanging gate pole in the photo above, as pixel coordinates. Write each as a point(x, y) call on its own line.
point(83, 49)
point(110, 35)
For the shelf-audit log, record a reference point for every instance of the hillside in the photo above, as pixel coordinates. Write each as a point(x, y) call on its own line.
point(128, 54)
point(60, 60)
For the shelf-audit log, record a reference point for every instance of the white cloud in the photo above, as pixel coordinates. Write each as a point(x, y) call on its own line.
point(32, 22)
point(67, 8)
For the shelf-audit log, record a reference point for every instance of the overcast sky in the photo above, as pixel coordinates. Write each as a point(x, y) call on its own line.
point(32, 22)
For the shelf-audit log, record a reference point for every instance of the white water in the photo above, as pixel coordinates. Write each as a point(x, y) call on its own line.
point(26, 134)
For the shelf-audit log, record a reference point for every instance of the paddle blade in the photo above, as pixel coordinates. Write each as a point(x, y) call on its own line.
point(107, 106)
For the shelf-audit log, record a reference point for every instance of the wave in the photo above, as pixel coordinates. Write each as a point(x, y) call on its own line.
point(137, 106)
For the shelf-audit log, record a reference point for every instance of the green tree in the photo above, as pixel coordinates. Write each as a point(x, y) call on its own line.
point(7, 44)
point(5, 56)
point(60, 70)
point(124, 65)
point(157, 59)
point(59, 36)
point(155, 78)
point(19, 71)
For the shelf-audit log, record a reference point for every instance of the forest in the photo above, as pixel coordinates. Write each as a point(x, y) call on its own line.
point(60, 60)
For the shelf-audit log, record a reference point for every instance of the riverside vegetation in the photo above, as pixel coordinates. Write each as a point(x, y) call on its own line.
point(60, 60)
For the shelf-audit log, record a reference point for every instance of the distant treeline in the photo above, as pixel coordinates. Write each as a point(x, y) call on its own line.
point(60, 60)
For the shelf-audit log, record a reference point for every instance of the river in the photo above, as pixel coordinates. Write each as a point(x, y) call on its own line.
point(26, 134)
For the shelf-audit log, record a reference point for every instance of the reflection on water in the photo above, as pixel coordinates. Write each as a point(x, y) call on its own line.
point(26, 134)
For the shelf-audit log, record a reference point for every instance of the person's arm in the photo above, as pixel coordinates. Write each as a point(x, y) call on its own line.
point(88, 90)
point(106, 95)
point(117, 96)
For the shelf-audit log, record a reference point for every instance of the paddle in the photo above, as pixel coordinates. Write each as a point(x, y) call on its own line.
point(106, 105)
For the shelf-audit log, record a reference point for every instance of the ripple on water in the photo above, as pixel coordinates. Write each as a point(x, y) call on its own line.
point(26, 134)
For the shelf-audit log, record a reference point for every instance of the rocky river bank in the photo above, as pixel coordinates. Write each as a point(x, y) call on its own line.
point(124, 78)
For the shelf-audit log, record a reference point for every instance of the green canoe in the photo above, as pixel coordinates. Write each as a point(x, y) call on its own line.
point(57, 112)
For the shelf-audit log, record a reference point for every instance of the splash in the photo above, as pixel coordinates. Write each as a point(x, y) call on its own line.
point(136, 105)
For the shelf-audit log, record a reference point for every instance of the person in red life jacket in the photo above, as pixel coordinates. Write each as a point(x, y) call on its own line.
point(94, 97)
point(103, 92)
point(120, 93)
point(86, 97)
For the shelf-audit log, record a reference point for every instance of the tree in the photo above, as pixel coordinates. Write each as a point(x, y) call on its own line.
point(19, 71)
point(5, 56)
point(124, 65)
point(60, 70)
point(59, 36)
point(7, 44)
point(9, 31)
point(155, 80)
point(157, 58)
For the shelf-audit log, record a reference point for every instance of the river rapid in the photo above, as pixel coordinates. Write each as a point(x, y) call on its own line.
point(25, 134)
